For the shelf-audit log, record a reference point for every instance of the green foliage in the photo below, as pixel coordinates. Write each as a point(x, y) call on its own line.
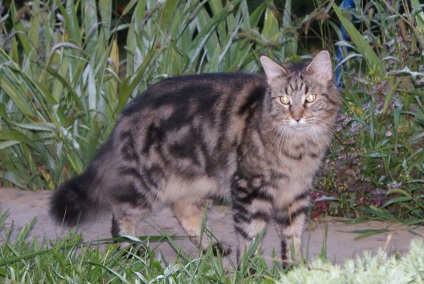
point(64, 76)
point(66, 73)
point(376, 168)
point(369, 269)
point(71, 260)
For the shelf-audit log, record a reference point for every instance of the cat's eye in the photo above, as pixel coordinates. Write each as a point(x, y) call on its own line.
point(284, 100)
point(310, 98)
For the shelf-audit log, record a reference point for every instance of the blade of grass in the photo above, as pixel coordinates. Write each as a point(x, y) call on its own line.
point(360, 43)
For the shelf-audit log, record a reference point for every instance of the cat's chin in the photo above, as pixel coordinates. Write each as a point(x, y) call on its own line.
point(300, 127)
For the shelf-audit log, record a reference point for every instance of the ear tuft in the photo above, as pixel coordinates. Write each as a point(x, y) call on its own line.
point(320, 67)
point(272, 69)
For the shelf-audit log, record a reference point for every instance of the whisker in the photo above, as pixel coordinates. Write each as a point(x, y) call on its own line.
point(319, 130)
point(336, 134)
point(277, 124)
point(268, 130)
point(325, 121)
point(280, 137)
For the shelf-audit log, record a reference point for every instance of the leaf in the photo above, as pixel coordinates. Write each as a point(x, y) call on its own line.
point(129, 6)
point(420, 122)
point(16, 180)
point(270, 29)
point(34, 27)
point(379, 213)
point(398, 191)
point(418, 9)
point(89, 77)
point(355, 221)
point(413, 222)
point(15, 94)
point(256, 16)
point(114, 55)
point(198, 43)
point(50, 127)
point(105, 10)
point(361, 44)
point(396, 200)
point(168, 11)
point(7, 144)
point(323, 251)
point(130, 83)
point(139, 14)
point(90, 24)
point(368, 232)
point(212, 44)
point(20, 31)
point(15, 135)
point(327, 198)
point(71, 23)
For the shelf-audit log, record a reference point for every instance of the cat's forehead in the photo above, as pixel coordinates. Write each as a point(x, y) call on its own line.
point(296, 83)
point(295, 67)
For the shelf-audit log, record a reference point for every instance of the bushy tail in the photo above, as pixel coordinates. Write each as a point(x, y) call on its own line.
point(74, 201)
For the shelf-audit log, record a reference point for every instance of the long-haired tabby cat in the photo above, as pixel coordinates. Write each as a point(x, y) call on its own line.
point(256, 141)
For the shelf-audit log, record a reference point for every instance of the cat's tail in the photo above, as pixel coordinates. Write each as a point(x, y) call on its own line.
point(74, 201)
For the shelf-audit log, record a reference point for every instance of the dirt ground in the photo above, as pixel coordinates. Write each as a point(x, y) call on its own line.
point(23, 206)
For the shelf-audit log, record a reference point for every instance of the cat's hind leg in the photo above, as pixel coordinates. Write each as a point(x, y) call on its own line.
point(189, 212)
point(126, 215)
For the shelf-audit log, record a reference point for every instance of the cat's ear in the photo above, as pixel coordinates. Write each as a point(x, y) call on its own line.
point(272, 69)
point(320, 67)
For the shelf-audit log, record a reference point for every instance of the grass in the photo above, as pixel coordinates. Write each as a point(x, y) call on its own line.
point(376, 167)
point(26, 259)
point(71, 260)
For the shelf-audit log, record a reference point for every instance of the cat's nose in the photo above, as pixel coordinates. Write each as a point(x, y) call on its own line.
point(297, 118)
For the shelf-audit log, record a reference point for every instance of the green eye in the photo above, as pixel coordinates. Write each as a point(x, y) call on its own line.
point(310, 98)
point(284, 100)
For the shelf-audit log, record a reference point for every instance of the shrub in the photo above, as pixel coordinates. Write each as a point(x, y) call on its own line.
point(369, 269)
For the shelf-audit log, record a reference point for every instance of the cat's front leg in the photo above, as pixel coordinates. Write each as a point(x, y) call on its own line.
point(289, 223)
point(252, 209)
point(247, 230)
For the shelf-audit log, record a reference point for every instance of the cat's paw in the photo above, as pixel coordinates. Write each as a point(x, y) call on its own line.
point(222, 248)
point(131, 249)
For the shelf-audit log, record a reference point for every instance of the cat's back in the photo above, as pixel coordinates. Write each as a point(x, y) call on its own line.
point(189, 124)
point(198, 95)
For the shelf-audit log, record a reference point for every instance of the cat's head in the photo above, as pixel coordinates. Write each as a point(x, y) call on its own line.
point(303, 95)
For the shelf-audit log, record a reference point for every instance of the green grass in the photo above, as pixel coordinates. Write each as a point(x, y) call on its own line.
point(376, 167)
point(70, 260)
point(26, 259)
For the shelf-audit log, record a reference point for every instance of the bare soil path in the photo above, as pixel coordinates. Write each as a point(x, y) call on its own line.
point(23, 206)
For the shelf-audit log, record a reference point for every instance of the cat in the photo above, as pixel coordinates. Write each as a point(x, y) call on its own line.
point(254, 140)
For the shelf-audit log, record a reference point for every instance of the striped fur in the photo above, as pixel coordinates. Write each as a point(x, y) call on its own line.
point(254, 140)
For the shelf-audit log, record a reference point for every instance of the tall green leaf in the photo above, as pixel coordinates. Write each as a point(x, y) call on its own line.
point(361, 44)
